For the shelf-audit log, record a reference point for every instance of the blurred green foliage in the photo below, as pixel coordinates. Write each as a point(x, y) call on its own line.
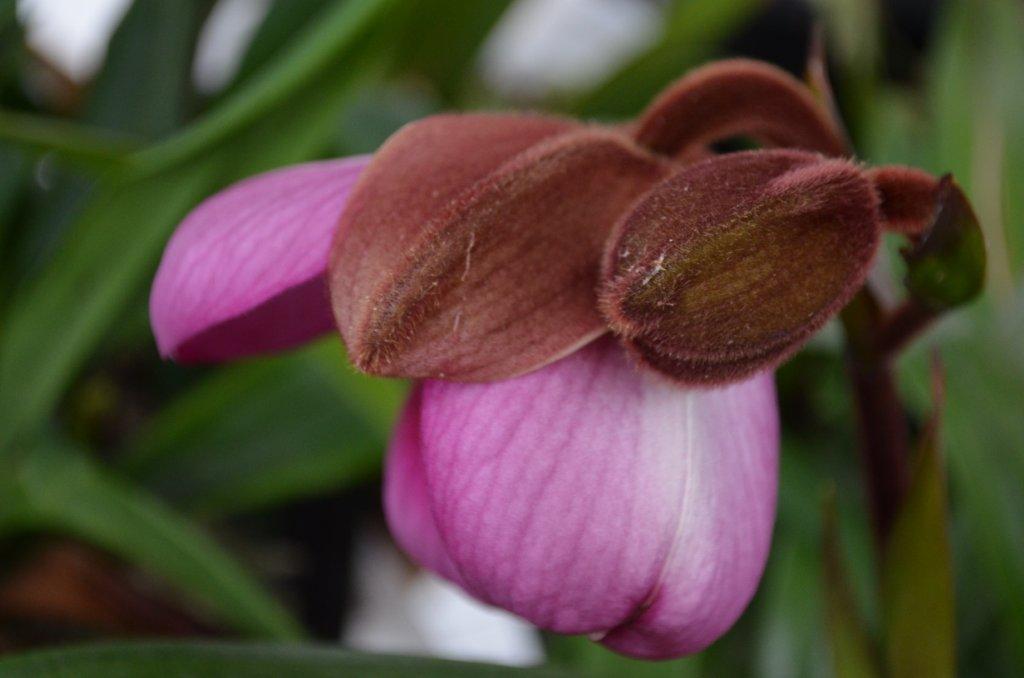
point(156, 660)
point(148, 466)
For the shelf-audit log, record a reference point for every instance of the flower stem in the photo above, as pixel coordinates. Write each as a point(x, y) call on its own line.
point(903, 326)
point(881, 417)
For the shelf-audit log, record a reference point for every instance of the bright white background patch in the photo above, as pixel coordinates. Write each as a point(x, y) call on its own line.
point(72, 33)
point(542, 46)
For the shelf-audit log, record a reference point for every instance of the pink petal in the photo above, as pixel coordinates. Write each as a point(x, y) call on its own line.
point(589, 497)
point(725, 526)
point(406, 497)
point(244, 272)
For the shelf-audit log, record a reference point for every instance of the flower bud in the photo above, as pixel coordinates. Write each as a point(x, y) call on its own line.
point(946, 265)
point(728, 266)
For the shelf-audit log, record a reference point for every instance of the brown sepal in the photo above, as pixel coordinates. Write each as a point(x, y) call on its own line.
point(820, 86)
point(471, 247)
point(728, 266)
point(907, 198)
point(737, 97)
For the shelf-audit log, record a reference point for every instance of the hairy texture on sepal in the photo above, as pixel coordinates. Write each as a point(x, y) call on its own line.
point(738, 97)
point(907, 198)
point(728, 266)
point(471, 247)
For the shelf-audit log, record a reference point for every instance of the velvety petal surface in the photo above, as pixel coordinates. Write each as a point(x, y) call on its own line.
point(908, 198)
point(728, 266)
point(738, 97)
point(244, 272)
point(471, 247)
point(591, 497)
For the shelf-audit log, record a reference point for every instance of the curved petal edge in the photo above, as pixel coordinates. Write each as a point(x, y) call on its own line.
point(244, 272)
point(591, 497)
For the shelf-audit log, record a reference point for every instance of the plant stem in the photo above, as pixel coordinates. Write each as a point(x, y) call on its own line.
point(884, 441)
point(881, 417)
point(903, 326)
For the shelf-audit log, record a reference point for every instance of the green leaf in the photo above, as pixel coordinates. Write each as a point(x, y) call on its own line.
point(590, 659)
point(142, 90)
point(692, 31)
point(11, 41)
point(983, 431)
point(444, 37)
point(328, 40)
point(263, 432)
point(917, 572)
point(111, 252)
point(790, 640)
point(854, 29)
point(305, 127)
point(91, 148)
point(145, 86)
point(209, 660)
point(56, 488)
point(52, 325)
point(284, 20)
point(852, 654)
point(14, 176)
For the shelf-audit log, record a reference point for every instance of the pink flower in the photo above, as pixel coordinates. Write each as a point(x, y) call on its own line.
point(588, 481)
point(586, 496)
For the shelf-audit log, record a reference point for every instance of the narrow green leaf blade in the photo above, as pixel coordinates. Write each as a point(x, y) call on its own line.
point(852, 654)
point(49, 328)
point(917, 573)
point(445, 36)
point(14, 176)
point(95, 149)
point(206, 660)
point(264, 432)
point(590, 659)
point(284, 20)
point(58, 488)
point(145, 85)
point(341, 26)
point(106, 260)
